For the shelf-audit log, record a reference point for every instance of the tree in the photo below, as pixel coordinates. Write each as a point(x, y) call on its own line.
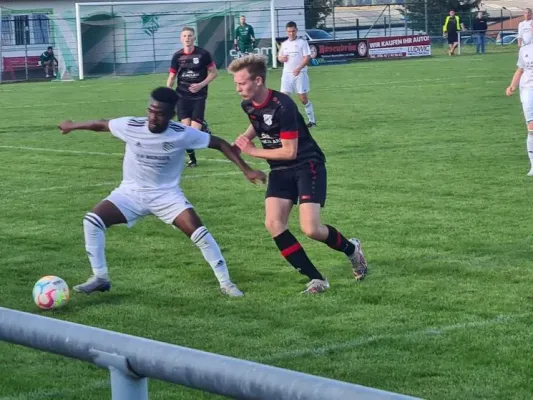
point(437, 10)
point(316, 12)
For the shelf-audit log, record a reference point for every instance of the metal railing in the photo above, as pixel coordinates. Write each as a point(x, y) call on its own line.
point(131, 360)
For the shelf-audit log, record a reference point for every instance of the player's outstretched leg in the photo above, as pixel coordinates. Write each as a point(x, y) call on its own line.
point(95, 224)
point(190, 224)
point(276, 220)
point(314, 229)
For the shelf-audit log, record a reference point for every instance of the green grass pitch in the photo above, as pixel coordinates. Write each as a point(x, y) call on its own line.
point(427, 166)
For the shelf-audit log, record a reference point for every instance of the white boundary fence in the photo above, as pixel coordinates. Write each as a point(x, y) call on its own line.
point(132, 360)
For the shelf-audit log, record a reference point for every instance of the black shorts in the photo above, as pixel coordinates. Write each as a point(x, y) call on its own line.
point(193, 109)
point(303, 184)
point(453, 37)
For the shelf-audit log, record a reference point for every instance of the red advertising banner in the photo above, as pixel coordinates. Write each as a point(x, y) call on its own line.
point(399, 46)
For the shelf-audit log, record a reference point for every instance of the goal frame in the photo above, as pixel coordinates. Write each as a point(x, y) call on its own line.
point(81, 76)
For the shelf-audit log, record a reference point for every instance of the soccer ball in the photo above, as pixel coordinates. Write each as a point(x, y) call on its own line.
point(50, 292)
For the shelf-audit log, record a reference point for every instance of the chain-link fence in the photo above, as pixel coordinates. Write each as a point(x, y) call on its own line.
point(141, 38)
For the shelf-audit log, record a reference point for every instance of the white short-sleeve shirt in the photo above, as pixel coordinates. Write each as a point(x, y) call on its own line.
point(525, 61)
point(525, 32)
point(296, 50)
point(155, 161)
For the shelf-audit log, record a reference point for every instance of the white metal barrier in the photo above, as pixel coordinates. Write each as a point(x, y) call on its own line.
point(131, 360)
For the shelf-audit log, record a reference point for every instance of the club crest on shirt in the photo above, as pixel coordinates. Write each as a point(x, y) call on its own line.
point(196, 60)
point(268, 119)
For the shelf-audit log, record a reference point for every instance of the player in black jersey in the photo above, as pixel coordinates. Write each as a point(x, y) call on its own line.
point(298, 171)
point(194, 69)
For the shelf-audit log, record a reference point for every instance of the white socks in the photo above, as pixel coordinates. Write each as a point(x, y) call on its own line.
point(94, 230)
point(212, 254)
point(310, 112)
point(530, 147)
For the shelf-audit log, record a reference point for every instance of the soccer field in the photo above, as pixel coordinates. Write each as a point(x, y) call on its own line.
point(427, 166)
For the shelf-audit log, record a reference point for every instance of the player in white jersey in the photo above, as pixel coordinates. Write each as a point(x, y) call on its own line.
point(525, 34)
point(523, 79)
point(152, 168)
point(295, 53)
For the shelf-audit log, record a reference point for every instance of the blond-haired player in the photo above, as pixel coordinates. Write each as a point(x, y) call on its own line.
point(298, 172)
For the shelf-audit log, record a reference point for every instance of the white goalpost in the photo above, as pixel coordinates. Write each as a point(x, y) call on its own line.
point(139, 37)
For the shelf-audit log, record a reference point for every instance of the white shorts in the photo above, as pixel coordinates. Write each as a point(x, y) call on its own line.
point(165, 205)
point(526, 97)
point(295, 84)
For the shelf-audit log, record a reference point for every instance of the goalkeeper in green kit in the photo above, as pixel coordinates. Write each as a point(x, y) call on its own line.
point(244, 37)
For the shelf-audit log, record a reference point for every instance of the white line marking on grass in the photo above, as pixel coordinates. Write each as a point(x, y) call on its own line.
point(350, 344)
point(89, 153)
point(91, 185)
point(98, 153)
point(317, 351)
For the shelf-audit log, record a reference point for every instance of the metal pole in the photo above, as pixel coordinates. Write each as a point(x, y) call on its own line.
point(114, 42)
point(78, 41)
point(390, 25)
point(124, 387)
point(333, 16)
point(153, 51)
point(26, 32)
point(226, 32)
point(1, 58)
point(274, 32)
point(426, 16)
point(501, 25)
point(145, 358)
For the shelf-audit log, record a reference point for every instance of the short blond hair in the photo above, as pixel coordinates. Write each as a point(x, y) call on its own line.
point(187, 29)
point(255, 64)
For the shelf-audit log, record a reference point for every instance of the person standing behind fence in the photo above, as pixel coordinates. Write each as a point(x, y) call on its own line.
point(524, 29)
point(244, 37)
point(451, 29)
point(480, 29)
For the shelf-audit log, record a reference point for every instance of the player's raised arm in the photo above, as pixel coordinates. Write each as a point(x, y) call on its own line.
point(96, 126)
point(226, 149)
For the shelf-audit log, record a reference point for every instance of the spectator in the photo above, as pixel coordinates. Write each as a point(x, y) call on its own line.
point(450, 30)
point(524, 29)
point(480, 29)
point(48, 59)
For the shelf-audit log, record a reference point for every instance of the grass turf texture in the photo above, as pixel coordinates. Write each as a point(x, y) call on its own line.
point(427, 166)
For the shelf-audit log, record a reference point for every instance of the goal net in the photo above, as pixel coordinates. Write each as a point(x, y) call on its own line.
point(140, 37)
